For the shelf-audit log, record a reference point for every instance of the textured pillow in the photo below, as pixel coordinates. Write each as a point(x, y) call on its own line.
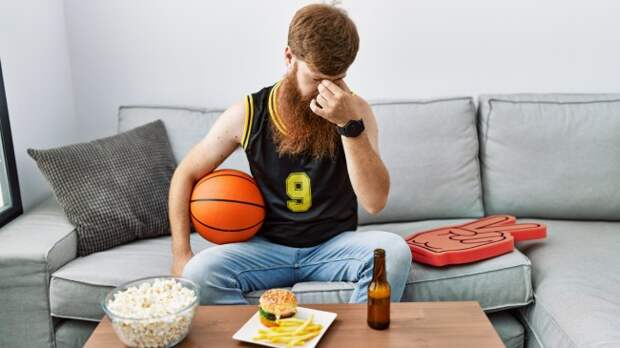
point(113, 189)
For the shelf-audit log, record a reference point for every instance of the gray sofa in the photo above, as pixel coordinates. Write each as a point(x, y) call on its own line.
point(553, 159)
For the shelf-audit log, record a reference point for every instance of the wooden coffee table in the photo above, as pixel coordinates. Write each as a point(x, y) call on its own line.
point(413, 324)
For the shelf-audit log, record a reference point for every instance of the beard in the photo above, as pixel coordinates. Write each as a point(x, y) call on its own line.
point(307, 134)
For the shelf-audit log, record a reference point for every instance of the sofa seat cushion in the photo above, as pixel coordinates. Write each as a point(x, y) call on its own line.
point(77, 289)
point(576, 284)
point(498, 283)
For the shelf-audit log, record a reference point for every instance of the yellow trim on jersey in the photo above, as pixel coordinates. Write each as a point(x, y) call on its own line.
point(249, 118)
point(245, 121)
point(273, 108)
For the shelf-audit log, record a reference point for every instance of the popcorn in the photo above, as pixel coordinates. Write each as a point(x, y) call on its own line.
point(149, 313)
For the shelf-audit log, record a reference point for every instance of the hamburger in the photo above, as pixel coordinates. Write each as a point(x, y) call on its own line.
point(276, 304)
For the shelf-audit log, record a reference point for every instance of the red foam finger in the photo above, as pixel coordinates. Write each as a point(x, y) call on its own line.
point(478, 240)
point(490, 221)
point(461, 257)
point(528, 231)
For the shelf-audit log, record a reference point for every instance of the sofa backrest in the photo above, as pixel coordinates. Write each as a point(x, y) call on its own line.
point(541, 155)
point(551, 155)
point(429, 146)
point(186, 126)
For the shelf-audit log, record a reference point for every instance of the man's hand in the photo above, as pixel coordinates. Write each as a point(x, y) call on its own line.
point(367, 172)
point(337, 104)
point(179, 262)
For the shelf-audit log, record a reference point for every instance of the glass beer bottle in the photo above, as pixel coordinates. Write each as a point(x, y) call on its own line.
point(379, 294)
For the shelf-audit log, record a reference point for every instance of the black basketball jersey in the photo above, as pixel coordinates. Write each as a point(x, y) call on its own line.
point(307, 201)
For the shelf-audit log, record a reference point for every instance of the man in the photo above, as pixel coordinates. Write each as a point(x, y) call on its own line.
point(312, 146)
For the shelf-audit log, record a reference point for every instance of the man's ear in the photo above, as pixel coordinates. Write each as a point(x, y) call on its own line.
point(288, 58)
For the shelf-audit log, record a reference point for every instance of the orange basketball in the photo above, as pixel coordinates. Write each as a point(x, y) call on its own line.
point(226, 206)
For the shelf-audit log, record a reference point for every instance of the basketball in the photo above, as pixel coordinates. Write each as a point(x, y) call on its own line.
point(226, 206)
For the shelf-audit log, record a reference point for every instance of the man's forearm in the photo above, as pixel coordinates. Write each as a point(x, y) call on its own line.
point(178, 210)
point(367, 172)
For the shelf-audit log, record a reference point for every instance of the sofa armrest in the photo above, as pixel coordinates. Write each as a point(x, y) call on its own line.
point(32, 247)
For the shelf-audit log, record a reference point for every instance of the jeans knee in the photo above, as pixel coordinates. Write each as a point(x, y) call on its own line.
point(401, 249)
point(211, 276)
point(193, 270)
point(396, 249)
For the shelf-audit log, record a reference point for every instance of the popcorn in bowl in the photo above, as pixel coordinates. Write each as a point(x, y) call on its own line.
point(152, 312)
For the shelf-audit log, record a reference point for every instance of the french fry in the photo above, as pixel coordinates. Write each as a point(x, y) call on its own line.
point(286, 329)
point(302, 339)
point(289, 320)
point(306, 323)
point(291, 331)
point(288, 323)
point(281, 334)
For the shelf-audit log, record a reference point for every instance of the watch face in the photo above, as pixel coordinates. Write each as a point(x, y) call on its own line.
point(353, 128)
point(356, 127)
point(350, 128)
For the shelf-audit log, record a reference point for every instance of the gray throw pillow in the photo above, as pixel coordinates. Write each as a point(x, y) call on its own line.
point(114, 189)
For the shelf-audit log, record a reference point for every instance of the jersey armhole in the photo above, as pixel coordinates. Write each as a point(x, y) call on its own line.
point(248, 121)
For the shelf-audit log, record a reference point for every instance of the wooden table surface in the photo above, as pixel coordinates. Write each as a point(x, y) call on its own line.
point(413, 324)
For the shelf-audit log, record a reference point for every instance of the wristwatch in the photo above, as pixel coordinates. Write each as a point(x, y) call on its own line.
point(352, 129)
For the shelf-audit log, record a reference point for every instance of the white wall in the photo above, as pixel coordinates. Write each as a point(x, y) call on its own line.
point(35, 65)
point(210, 53)
point(99, 54)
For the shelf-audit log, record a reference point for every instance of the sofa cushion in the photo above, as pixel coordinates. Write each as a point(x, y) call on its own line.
point(77, 289)
point(114, 189)
point(430, 148)
point(551, 156)
point(576, 284)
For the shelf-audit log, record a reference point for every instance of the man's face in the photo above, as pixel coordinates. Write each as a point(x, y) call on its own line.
point(308, 78)
point(307, 132)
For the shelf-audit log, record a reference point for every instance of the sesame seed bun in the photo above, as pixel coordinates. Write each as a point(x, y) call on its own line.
point(276, 303)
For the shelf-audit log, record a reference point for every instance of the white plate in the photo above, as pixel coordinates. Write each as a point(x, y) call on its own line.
point(250, 329)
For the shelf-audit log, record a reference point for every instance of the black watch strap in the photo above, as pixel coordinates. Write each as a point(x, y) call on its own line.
point(352, 129)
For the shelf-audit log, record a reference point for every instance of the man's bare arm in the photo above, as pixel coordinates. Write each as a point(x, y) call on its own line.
point(222, 139)
point(369, 176)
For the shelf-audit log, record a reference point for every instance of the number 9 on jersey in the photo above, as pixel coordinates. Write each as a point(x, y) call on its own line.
point(298, 189)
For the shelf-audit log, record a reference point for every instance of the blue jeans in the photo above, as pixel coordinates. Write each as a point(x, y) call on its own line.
point(225, 272)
